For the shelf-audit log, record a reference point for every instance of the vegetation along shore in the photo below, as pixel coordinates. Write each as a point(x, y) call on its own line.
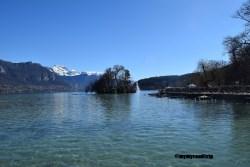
point(214, 79)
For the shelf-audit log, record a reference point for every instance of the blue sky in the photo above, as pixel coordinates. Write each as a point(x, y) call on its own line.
point(149, 37)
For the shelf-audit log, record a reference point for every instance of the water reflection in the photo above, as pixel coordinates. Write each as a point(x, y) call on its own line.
point(240, 133)
point(240, 111)
point(115, 107)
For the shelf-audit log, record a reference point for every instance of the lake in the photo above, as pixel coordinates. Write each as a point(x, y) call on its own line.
point(87, 130)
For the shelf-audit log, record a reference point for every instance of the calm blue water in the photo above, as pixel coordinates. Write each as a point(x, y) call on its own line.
point(87, 130)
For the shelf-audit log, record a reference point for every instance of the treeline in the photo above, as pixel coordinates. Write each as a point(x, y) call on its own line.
point(161, 82)
point(114, 80)
point(237, 70)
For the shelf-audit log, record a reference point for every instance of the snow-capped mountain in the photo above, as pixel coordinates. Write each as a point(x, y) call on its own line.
point(76, 80)
point(64, 71)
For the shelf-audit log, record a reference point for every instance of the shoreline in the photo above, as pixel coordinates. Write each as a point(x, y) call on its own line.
point(203, 94)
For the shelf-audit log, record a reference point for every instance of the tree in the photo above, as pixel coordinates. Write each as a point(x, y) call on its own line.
point(114, 80)
point(233, 46)
point(211, 72)
point(244, 13)
point(238, 49)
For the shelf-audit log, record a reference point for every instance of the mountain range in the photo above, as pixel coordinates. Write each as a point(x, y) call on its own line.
point(76, 80)
point(64, 71)
point(33, 77)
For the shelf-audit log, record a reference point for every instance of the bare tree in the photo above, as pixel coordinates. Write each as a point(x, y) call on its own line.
point(211, 72)
point(233, 46)
point(244, 13)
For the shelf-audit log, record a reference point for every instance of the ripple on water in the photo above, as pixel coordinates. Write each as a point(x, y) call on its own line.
point(65, 129)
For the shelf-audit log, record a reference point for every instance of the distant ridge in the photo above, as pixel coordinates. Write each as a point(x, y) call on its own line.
point(160, 82)
point(33, 77)
point(28, 77)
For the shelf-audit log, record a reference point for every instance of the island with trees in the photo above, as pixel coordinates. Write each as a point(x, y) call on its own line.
point(114, 80)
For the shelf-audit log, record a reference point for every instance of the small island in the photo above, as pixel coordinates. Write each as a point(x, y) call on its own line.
point(114, 80)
